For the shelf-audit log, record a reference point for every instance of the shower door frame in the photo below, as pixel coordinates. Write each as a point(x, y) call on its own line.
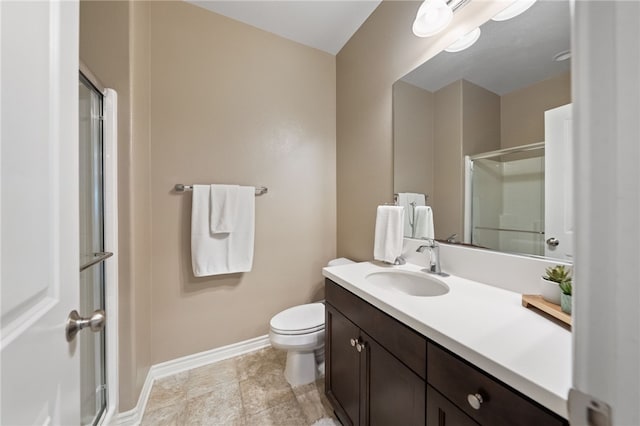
point(110, 182)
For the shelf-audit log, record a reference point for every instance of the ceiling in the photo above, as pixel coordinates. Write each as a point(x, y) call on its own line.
point(324, 24)
point(508, 56)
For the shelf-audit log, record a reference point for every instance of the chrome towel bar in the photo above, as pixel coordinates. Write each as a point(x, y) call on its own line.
point(183, 188)
point(98, 257)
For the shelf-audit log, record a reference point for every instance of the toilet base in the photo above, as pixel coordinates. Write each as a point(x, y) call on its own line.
point(300, 368)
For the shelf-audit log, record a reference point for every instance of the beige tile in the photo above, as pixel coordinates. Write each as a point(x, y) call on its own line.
point(248, 390)
point(311, 406)
point(171, 415)
point(223, 406)
point(264, 361)
point(301, 390)
point(168, 391)
point(205, 379)
point(286, 414)
point(262, 392)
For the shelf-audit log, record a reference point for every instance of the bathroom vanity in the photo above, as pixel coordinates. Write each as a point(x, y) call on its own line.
point(453, 359)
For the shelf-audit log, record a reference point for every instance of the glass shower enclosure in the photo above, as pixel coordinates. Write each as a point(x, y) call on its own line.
point(505, 200)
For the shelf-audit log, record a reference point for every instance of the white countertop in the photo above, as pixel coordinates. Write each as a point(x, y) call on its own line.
point(485, 325)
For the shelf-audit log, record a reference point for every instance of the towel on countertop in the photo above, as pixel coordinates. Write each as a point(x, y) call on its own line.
point(224, 203)
point(423, 222)
point(222, 253)
point(388, 236)
point(405, 199)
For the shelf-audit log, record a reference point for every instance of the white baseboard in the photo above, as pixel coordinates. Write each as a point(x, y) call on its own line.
point(133, 417)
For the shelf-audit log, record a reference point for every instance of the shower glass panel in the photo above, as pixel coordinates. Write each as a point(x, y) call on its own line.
point(93, 390)
point(507, 203)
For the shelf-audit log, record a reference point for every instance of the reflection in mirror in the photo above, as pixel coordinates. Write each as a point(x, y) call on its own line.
point(489, 97)
point(505, 193)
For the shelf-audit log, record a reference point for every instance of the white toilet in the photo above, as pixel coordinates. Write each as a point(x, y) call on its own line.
point(300, 331)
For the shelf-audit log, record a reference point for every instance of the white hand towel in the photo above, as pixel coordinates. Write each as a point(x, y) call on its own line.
point(226, 253)
point(405, 199)
point(224, 203)
point(423, 222)
point(388, 237)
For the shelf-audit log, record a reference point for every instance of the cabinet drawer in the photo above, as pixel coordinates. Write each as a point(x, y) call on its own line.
point(441, 412)
point(456, 379)
point(404, 343)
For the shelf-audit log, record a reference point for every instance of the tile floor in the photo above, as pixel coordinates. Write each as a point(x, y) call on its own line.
point(247, 390)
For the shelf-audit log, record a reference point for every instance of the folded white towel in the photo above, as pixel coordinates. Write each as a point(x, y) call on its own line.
point(405, 199)
point(388, 237)
point(223, 207)
point(224, 253)
point(423, 222)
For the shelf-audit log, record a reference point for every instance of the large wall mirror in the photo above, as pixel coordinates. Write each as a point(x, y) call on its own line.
point(474, 129)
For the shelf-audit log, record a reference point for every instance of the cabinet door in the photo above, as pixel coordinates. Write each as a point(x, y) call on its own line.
point(441, 412)
point(342, 375)
point(394, 394)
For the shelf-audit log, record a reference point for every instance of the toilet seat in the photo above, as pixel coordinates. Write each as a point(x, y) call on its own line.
point(302, 319)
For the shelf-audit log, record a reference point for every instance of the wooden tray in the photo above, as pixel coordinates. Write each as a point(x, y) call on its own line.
point(535, 301)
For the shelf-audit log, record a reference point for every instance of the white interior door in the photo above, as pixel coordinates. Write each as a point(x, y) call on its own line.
point(39, 259)
point(558, 187)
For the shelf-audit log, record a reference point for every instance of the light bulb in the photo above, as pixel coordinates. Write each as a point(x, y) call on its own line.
point(518, 7)
point(433, 16)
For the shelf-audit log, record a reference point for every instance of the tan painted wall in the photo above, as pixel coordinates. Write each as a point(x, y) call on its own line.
point(234, 104)
point(481, 119)
point(412, 139)
point(523, 110)
point(447, 197)
point(107, 47)
point(379, 53)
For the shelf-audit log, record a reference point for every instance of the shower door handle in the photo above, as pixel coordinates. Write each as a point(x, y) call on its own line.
point(75, 323)
point(553, 242)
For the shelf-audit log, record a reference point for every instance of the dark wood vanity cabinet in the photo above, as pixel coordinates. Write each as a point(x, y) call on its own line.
point(364, 382)
point(342, 378)
point(381, 372)
point(441, 412)
point(478, 395)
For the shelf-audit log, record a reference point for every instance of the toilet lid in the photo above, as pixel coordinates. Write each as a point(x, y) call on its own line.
point(299, 319)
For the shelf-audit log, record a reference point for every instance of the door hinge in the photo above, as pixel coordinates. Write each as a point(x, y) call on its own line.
point(586, 410)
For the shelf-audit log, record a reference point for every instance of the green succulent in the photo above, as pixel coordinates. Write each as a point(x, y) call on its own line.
point(558, 274)
point(566, 287)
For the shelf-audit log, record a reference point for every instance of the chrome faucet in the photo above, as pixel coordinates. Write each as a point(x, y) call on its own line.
point(434, 263)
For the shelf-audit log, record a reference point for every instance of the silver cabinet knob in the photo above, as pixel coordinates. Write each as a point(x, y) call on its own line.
point(475, 400)
point(75, 323)
point(353, 341)
point(360, 346)
point(553, 242)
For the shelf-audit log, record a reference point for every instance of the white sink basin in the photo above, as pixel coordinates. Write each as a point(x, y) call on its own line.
point(411, 283)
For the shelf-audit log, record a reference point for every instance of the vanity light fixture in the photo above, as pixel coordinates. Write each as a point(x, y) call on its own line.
point(464, 42)
point(433, 16)
point(515, 9)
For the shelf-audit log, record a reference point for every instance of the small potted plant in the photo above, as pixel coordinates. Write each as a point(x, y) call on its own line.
point(565, 298)
point(550, 282)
